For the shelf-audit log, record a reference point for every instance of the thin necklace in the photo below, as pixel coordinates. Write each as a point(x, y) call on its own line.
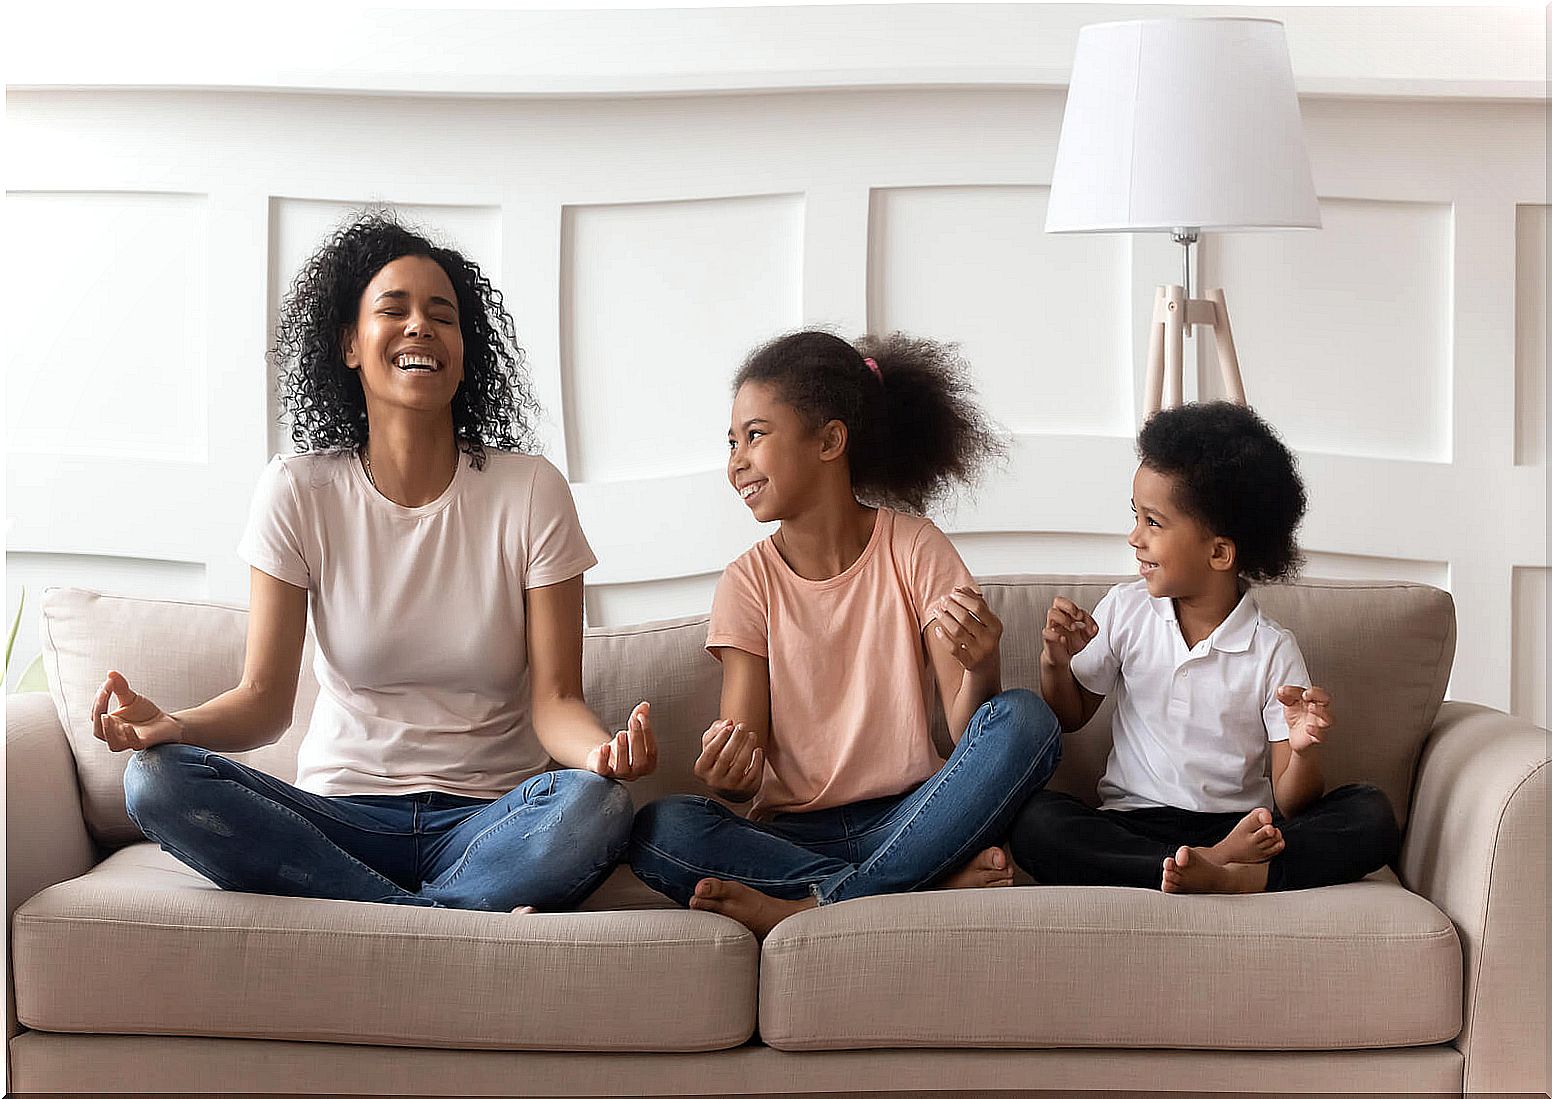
point(366, 464)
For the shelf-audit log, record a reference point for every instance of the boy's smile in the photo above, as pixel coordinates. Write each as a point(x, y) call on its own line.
point(1175, 550)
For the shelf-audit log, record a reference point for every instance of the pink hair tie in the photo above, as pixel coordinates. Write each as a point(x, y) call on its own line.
point(873, 366)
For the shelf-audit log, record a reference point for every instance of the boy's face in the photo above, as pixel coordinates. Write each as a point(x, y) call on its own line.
point(1176, 554)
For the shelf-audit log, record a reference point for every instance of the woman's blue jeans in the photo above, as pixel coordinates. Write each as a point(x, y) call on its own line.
point(548, 843)
point(884, 845)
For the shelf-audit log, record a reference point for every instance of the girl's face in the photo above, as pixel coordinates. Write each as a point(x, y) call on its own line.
point(774, 457)
point(1176, 554)
point(406, 343)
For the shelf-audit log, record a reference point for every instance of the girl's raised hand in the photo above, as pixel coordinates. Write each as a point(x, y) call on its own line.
point(1308, 712)
point(970, 627)
point(731, 762)
point(1068, 630)
point(137, 723)
point(631, 753)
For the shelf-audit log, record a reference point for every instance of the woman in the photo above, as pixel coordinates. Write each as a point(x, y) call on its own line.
point(444, 571)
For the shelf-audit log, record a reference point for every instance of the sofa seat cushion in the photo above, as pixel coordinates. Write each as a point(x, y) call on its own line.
point(143, 945)
point(1365, 965)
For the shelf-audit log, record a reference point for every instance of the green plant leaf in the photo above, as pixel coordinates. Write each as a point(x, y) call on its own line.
point(10, 641)
point(34, 678)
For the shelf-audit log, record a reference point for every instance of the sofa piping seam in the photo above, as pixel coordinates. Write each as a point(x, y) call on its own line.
point(963, 931)
point(387, 1041)
point(33, 917)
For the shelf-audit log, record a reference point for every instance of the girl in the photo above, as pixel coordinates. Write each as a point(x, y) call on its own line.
point(834, 635)
point(444, 572)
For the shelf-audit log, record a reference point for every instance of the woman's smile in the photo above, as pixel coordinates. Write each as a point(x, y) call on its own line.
point(407, 339)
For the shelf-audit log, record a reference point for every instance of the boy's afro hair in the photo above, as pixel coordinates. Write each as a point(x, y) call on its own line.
point(1235, 475)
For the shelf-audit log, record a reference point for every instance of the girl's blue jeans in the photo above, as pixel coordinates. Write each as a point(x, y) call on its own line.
point(547, 843)
point(884, 845)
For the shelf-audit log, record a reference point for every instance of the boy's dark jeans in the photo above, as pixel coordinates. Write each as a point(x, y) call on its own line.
point(1348, 833)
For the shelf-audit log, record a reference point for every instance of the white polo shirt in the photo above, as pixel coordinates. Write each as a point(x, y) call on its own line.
point(1192, 725)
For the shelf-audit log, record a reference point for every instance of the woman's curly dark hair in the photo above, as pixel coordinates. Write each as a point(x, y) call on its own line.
point(913, 428)
point(494, 403)
point(1234, 474)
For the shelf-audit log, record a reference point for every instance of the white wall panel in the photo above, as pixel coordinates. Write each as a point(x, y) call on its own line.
point(1531, 594)
point(676, 597)
point(299, 226)
point(1005, 553)
point(120, 575)
point(660, 302)
point(1344, 333)
point(1530, 335)
point(106, 301)
point(1357, 566)
point(1041, 318)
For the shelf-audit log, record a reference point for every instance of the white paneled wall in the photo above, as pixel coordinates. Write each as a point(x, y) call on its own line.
point(645, 244)
point(658, 294)
point(969, 262)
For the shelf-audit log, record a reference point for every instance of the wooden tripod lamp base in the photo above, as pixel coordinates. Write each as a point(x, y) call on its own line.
point(1173, 314)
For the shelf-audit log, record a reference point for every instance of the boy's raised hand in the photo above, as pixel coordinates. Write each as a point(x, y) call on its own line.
point(731, 762)
point(1068, 629)
point(1308, 712)
point(631, 753)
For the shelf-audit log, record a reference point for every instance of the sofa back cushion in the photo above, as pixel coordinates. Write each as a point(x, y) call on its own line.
point(178, 654)
point(1383, 649)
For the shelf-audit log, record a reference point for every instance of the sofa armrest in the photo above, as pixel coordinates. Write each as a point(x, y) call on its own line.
point(1476, 846)
point(46, 838)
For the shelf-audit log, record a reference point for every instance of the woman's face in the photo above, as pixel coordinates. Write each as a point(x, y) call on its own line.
point(407, 343)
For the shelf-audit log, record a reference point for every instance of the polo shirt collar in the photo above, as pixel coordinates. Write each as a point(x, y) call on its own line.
point(1233, 634)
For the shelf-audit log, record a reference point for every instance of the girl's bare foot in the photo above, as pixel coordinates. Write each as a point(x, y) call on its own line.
point(1254, 839)
point(523, 910)
point(989, 869)
point(1191, 870)
point(757, 911)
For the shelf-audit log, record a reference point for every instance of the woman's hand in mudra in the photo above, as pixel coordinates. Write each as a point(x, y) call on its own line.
point(631, 753)
point(137, 723)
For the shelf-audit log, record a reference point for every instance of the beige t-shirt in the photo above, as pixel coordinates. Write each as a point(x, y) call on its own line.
point(418, 613)
point(852, 690)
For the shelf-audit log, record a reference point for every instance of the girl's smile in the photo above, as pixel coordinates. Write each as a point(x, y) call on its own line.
point(773, 456)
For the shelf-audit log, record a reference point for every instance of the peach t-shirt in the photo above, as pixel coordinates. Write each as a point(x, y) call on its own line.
point(852, 691)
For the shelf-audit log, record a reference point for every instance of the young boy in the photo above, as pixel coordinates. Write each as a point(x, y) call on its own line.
point(1206, 685)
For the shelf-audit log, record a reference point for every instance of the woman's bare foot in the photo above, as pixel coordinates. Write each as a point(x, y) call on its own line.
point(1254, 839)
point(989, 869)
point(523, 910)
point(1191, 870)
point(757, 911)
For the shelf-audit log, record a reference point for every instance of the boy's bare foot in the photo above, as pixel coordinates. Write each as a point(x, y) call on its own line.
point(989, 869)
point(523, 910)
point(1254, 839)
point(1191, 870)
point(757, 911)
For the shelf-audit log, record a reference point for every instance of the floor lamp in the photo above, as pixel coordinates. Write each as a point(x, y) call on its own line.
point(1182, 126)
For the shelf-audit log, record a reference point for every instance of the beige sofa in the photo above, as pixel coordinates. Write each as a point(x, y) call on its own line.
point(132, 973)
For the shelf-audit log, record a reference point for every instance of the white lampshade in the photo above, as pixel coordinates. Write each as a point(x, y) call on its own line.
point(1182, 123)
